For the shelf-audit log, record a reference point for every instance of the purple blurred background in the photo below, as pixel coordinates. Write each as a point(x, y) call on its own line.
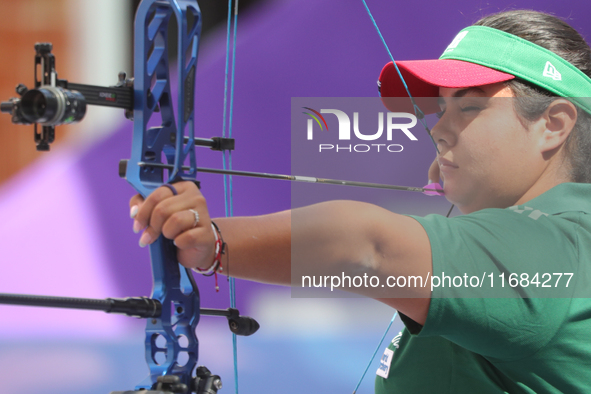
point(65, 228)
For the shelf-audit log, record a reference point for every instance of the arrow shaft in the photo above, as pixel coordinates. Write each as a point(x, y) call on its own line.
point(296, 178)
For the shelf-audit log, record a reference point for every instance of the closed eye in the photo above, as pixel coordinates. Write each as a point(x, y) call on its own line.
point(468, 109)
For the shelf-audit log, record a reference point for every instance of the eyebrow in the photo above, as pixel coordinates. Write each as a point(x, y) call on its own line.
point(462, 93)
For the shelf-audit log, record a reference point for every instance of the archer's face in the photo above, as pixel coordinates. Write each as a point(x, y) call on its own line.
point(488, 157)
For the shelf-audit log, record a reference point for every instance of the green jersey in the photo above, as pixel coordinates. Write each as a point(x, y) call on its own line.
point(531, 332)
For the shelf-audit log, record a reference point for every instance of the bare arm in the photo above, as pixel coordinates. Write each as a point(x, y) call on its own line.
point(323, 239)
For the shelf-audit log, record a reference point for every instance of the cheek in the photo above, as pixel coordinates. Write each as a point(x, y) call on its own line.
point(499, 159)
point(481, 152)
point(498, 141)
point(514, 148)
point(492, 154)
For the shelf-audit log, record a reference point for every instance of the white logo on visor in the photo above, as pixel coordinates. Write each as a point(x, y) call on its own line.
point(551, 72)
point(456, 41)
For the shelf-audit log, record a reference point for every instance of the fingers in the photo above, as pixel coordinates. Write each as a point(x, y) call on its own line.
point(134, 204)
point(184, 219)
point(434, 172)
point(164, 213)
point(196, 247)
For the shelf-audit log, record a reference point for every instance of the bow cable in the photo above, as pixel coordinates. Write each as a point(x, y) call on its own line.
point(227, 155)
point(418, 113)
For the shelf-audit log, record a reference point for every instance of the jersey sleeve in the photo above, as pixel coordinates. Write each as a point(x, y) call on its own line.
point(496, 288)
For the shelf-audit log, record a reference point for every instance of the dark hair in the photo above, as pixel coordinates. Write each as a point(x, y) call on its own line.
point(559, 37)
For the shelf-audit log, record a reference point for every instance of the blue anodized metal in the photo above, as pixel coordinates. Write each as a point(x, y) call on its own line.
point(171, 343)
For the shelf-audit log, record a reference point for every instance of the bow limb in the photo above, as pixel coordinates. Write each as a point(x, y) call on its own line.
point(170, 342)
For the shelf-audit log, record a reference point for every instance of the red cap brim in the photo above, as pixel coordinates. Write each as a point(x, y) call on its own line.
point(425, 77)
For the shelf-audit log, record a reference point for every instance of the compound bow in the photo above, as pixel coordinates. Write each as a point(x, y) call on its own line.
point(173, 310)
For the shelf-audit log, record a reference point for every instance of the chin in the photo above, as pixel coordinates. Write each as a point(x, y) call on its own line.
point(463, 200)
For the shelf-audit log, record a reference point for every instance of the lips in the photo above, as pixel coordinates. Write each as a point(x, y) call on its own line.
point(443, 163)
point(446, 167)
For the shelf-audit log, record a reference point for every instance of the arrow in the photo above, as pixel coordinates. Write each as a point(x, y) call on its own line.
point(294, 178)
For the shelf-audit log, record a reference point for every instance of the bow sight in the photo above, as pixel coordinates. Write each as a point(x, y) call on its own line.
point(55, 102)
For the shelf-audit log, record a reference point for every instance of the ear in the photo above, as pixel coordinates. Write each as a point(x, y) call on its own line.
point(555, 125)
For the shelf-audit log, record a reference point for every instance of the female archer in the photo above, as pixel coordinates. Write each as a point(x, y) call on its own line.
point(514, 143)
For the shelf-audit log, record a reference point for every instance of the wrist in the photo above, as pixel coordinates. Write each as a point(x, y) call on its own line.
point(216, 265)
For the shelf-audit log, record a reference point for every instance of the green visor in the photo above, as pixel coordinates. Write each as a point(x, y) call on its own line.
point(503, 55)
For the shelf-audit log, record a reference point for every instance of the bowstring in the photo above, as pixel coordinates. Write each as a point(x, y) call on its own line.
point(375, 352)
point(421, 117)
point(418, 113)
point(227, 154)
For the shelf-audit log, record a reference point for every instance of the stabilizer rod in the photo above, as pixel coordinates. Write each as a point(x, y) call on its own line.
point(143, 307)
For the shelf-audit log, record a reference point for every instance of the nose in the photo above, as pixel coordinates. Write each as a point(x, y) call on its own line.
point(443, 135)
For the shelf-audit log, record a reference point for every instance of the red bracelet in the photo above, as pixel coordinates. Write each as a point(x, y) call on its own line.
point(216, 266)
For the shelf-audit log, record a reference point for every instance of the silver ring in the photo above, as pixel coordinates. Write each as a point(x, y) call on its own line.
point(196, 217)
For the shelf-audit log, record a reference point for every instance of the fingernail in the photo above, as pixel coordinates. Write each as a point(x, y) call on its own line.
point(429, 181)
point(145, 239)
point(133, 211)
point(137, 227)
